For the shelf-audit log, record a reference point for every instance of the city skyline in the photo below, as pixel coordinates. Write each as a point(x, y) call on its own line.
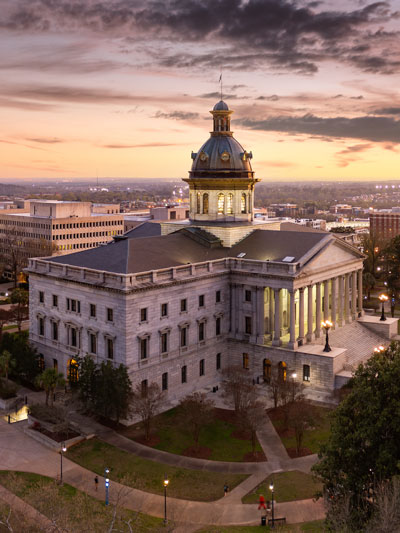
point(122, 88)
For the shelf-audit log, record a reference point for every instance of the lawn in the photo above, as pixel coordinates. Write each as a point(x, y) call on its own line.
point(317, 526)
point(288, 486)
point(71, 508)
point(142, 474)
point(221, 440)
point(313, 437)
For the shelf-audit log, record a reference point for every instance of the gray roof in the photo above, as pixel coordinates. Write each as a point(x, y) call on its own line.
point(134, 255)
point(214, 147)
point(144, 229)
point(221, 106)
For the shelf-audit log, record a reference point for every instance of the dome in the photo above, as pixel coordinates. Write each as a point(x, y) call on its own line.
point(221, 153)
point(221, 106)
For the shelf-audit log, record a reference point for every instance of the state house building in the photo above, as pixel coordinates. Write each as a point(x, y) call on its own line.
point(218, 289)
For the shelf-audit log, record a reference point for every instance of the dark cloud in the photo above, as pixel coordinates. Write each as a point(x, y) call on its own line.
point(178, 115)
point(371, 128)
point(350, 153)
point(44, 140)
point(217, 96)
point(272, 98)
point(387, 111)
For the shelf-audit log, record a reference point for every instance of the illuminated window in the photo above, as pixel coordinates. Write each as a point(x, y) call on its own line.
point(198, 203)
point(243, 204)
point(245, 358)
point(205, 203)
point(221, 203)
point(229, 204)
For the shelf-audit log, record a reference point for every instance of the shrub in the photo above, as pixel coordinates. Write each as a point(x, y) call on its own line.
point(7, 389)
point(52, 415)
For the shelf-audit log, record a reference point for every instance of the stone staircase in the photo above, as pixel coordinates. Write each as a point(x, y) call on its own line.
point(359, 341)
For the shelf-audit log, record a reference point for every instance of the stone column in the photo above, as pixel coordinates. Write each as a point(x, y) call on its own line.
point(326, 300)
point(292, 324)
point(347, 317)
point(260, 314)
point(277, 318)
point(233, 309)
point(360, 292)
point(341, 301)
point(318, 311)
point(239, 309)
point(271, 312)
point(310, 333)
point(354, 295)
point(333, 309)
point(301, 315)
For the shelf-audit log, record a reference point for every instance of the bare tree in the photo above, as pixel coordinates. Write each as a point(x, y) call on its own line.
point(236, 385)
point(251, 415)
point(301, 415)
point(386, 516)
point(147, 403)
point(20, 309)
point(197, 411)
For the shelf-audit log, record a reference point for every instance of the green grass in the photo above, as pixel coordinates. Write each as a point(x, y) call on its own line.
point(142, 474)
point(314, 437)
point(34, 489)
point(317, 526)
point(289, 486)
point(217, 436)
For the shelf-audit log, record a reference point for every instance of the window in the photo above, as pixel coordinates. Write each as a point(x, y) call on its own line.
point(41, 297)
point(164, 342)
point(172, 215)
point(201, 300)
point(164, 381)
point(201, 331)
point(229, 204)
point(92, 343)
point(183, 305)
point(205, 203)
point(144, 345)
point(55, 300)
point(110, 314)
point(247, 296)
point(41, 362)
point(143, 314)
point(184, 335)
point(54, 331)
point(41, 326)
point(110, 348)
point(306, 372)
point(73, 305)
point(221, 203)
point(201, 367)
point(217, 297)
point(218, 326)
point(246, 361)
point(243, 203)
point(55, 364)
point(73, 337)
point(143, 388)
point(164, 309)
point(218, 361)
point(247, 325)
point(184, 374)
point(92, 310)
point(198, 203)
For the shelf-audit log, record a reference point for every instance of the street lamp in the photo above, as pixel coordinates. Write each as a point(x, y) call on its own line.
point(106, 482)
point(166, 481)
point(271, 488)
point(379, 349)
point(62, 451)
point(327, 324)
point(383, 298)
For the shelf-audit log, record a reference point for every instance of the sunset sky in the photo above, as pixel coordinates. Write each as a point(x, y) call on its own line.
point(123, 88)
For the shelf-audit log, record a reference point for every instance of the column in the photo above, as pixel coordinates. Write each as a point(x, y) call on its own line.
point(292, 324)
point(277, 318)
point(341, 301)
point(233, 310)
point(326, 300)
point(271, 312)
point(310, 333)
point(333, 308)
point(260, 315)
point(347, 317)
point(354, 295)
point(360, 293)
point(239, 309)
point(318, 311)
point(301, 315)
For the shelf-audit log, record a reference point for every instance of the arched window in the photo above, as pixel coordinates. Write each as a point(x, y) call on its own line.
point(229, 204)
point(245, 358)
point(243, 203)
point(205, 203)
point(282, 370)
point(221, 203)
point(41, 362)
point(198, 207)
point(73, 371)
point(267, 370)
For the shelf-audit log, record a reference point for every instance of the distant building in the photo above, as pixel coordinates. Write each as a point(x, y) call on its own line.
point(312, 223)
point(344, 209)
point(285, 210)
point(169, 213)
point(384, 224)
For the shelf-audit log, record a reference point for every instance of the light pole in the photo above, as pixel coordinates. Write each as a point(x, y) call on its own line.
point(166, 481)
point(293, 376)
point(326, 325)
point(383, 298)
point(379, 349)
point(62, 451)
point(271, 488)
point(106, 482)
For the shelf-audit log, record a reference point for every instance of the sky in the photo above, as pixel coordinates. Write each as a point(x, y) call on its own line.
point(123, 88)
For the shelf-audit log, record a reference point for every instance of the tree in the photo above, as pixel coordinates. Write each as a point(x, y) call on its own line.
point(197, 411)
point(372, 246)
point(302, 415)
point(49, 380)
point(20, 310)
point(236, 385)
point(5, 317)
point(26, 357)
point(87, 380)
point(112, 391)
point(146, 403)
point(251, 415)
point(6, 362)
point(369, 282)
point(364, 443)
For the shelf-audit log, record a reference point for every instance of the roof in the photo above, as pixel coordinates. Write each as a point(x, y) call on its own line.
point(133, 255)
point(221, 152)
point(221, 106)
point(144, 229)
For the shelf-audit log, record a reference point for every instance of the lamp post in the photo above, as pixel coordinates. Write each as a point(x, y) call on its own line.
point(106, 482)
point(166, 481)
point(379, 349)
point(383, 298)
point(62, 451)
point(326, 325)
point(271, 488)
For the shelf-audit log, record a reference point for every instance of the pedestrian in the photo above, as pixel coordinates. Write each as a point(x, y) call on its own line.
point(226, 488)
point(261, 502)
point(96, 483)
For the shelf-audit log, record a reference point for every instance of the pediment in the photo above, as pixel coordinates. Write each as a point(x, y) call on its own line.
point(333, 256)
